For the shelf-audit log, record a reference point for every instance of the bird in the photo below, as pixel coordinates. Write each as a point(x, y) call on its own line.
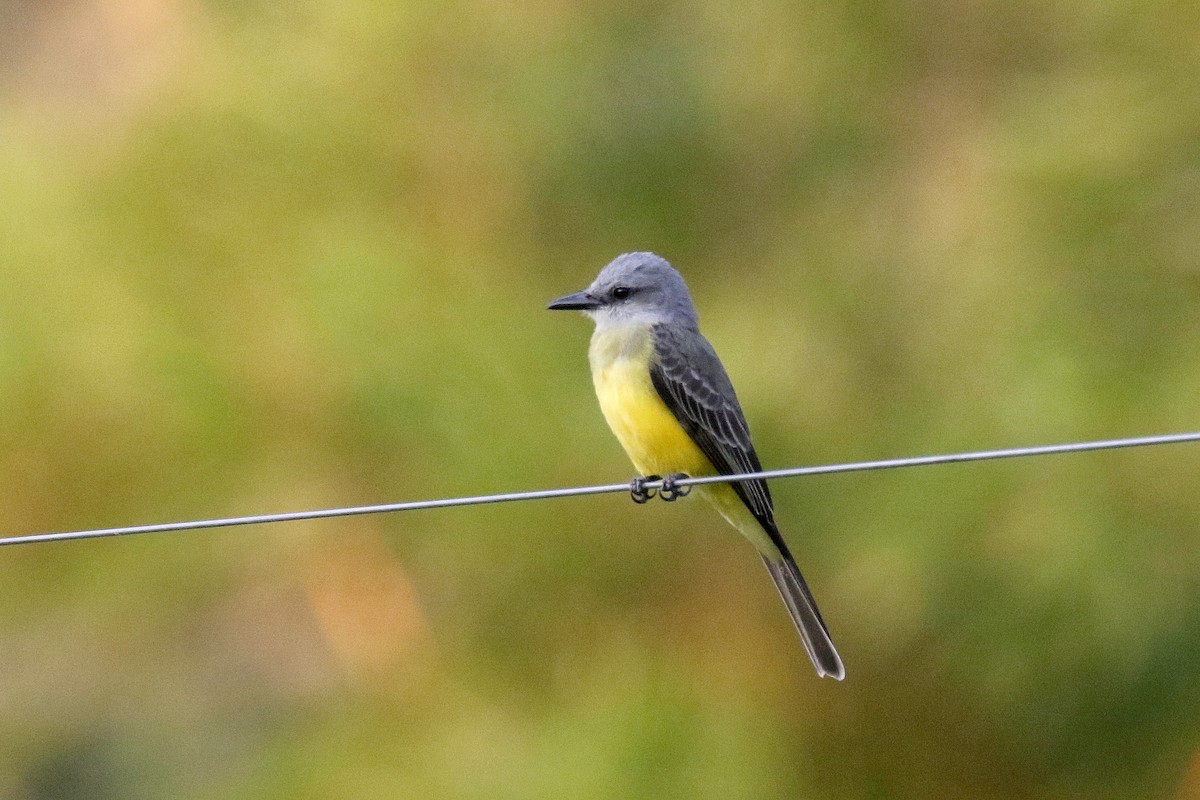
point(668, 399)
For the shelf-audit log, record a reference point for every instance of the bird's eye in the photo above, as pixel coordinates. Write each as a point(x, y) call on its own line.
point(621, 292)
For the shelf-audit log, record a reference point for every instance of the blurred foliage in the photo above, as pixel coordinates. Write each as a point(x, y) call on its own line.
point(261, 257)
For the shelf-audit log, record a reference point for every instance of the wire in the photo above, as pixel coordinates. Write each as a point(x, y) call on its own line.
point(546, 494)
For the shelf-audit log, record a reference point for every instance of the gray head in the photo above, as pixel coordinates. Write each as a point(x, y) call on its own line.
point(634, 288)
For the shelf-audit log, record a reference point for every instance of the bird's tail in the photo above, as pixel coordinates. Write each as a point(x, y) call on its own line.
point(803, 608)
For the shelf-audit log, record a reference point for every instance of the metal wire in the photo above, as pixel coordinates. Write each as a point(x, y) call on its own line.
point(546, 494)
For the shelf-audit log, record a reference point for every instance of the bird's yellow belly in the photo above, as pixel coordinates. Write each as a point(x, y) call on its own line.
point(654, 440)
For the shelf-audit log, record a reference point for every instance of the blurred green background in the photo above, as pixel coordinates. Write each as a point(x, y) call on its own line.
point(262, 257)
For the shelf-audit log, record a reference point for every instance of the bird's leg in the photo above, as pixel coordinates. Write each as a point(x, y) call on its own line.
point(638, 490)
point(669, 491)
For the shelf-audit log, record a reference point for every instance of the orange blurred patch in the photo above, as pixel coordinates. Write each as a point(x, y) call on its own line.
point(366, 606)
point(1189, 787)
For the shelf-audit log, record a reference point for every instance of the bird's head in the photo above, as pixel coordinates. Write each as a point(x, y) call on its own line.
point(635, 288)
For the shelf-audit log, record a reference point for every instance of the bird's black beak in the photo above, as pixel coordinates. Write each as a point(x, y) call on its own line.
point(580, 301)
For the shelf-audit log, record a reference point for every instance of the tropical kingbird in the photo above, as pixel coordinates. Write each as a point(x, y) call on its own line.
point(670, 403)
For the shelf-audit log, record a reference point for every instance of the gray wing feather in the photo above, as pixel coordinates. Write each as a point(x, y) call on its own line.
point(692, 382)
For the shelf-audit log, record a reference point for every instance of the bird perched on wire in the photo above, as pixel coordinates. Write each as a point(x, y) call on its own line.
point(666, 396)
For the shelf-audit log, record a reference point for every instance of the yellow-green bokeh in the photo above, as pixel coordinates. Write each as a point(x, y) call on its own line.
point(262, 258)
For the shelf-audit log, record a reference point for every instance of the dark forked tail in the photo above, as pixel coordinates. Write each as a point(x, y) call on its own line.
point(803, 608)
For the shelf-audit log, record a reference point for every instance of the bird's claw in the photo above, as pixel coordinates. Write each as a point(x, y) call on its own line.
point(669, 491)
point(638, 490)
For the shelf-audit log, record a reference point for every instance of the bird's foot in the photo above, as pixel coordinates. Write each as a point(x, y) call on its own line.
point(669, 491)
point(638, 490)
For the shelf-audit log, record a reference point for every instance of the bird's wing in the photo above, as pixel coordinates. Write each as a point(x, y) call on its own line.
point(691, 382)
point(690, 379)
